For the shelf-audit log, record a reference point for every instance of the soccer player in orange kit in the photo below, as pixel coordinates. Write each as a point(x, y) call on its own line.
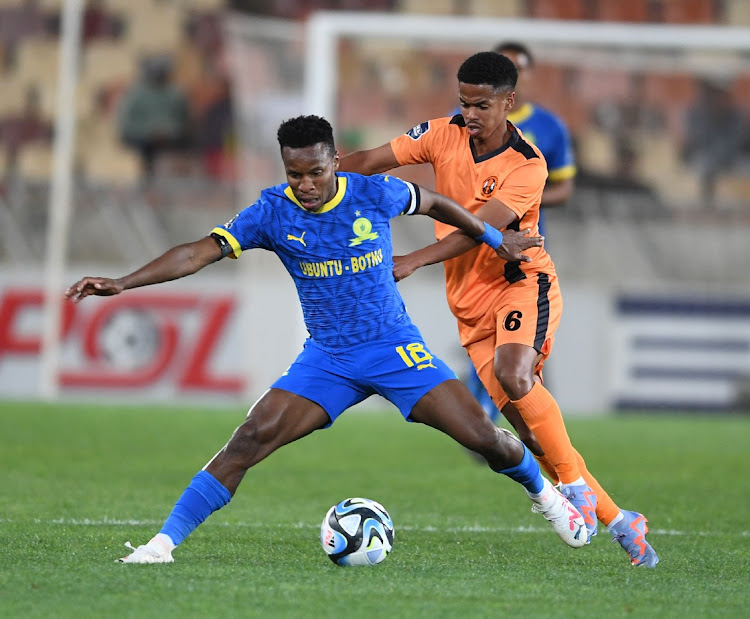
point(507, 312)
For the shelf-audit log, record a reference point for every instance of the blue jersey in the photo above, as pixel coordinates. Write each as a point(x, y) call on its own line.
point(550, 135)
point(340, 257)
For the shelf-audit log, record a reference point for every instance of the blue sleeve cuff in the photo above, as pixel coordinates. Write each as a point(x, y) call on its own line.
point(492, 236)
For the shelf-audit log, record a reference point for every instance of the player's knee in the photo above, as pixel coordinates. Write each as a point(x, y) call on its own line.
point(515, 383)
point(249, 443)
point(503, 450)
point(481, 437)
point(497, 446)
point(244, 441)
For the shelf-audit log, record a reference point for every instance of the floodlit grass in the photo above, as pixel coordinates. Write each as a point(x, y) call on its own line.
point(78, 481)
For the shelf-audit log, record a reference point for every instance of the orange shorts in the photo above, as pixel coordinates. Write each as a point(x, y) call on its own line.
point(527, 312)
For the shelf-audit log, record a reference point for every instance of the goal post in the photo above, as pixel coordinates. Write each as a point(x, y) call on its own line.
point(325, 29)
point(625, 91)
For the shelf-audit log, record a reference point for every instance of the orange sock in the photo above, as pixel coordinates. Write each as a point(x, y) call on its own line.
point(542, 414)
point(606, 509)
point(548, 468)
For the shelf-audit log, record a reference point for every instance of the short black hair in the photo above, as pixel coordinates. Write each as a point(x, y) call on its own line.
point(515, 47)
point(304, 131)
point(489, 68)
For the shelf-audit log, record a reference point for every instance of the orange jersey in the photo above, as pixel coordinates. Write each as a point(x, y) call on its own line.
point(515, 174)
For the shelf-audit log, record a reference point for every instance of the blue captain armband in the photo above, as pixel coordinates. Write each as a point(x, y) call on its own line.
point(492, 236)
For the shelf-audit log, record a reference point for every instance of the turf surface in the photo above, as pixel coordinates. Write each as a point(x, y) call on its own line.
point(78, 481)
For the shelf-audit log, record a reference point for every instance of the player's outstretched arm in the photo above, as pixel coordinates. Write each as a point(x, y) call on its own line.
point(471, 231)
point(177, 262)
point(372, 161)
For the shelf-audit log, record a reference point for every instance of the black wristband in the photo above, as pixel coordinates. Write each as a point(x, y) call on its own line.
point(223, 244)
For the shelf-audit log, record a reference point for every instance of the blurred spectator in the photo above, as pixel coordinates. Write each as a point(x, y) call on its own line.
point(98, 22)
point(301, 9)
point(28, 126)
point(626, 121)
point(714, 134)
point(25, 20)
point(216, 136)
point(154, 115)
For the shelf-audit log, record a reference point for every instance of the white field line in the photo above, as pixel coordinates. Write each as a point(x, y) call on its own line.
point(106, 522)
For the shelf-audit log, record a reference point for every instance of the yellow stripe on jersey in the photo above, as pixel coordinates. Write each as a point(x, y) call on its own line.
point(333, 203)
point(562, 174)
point(236, 249)
point(523, 113)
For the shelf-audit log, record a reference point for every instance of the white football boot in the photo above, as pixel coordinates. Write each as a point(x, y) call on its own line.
point(565, 519)
point(157, 550)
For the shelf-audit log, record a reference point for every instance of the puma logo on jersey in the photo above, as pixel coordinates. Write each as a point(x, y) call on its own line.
point(301, 239)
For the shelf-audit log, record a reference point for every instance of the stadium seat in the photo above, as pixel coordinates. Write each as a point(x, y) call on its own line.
point(51, 5)
point(38, 60)
point(737, 13)
point(616, 10)
point(154, 29)
point(690, 12)
point(657, 158)
point(96, 132)
point(206, 5)
point(13, 95)
point(112, 165)
point(496, 8)
point(427, 7)
point(35, 163)
point(734, 188)
point(48, 97)
point(553, 9)
point(106, 62)
point(128, 7)
point(596, 152)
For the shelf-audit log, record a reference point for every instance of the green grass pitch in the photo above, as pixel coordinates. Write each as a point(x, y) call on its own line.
point(79, 481)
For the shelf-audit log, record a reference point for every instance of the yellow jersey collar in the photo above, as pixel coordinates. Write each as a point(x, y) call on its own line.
point(331, 204)
point(521, 114)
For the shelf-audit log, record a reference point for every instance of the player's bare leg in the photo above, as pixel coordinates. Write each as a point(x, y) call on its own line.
point(278, 418)
point(452, 409)
point(515, 370)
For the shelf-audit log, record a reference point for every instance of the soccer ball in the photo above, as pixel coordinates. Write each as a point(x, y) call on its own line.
point(357, 532)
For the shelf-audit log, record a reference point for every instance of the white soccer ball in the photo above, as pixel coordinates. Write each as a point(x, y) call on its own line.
point(357, 532)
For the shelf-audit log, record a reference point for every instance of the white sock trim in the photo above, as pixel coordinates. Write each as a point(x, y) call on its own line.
point(617, 520)
point(545, 488)
point(164, 541)
point(578, 482)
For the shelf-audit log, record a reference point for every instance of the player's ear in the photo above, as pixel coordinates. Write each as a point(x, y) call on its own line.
point(511, 100)
point(336, 161)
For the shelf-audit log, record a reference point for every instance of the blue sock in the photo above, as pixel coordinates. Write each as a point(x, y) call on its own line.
point(526, 473)
point(201, 498)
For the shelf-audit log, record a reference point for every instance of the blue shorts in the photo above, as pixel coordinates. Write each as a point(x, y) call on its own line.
point(400, 368)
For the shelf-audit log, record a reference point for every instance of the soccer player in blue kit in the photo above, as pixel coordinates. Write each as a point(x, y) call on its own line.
point(332, 233)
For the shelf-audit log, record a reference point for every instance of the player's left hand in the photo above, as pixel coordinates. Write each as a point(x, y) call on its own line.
point(516, 242)
point(99, 286)
point(403, 266)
